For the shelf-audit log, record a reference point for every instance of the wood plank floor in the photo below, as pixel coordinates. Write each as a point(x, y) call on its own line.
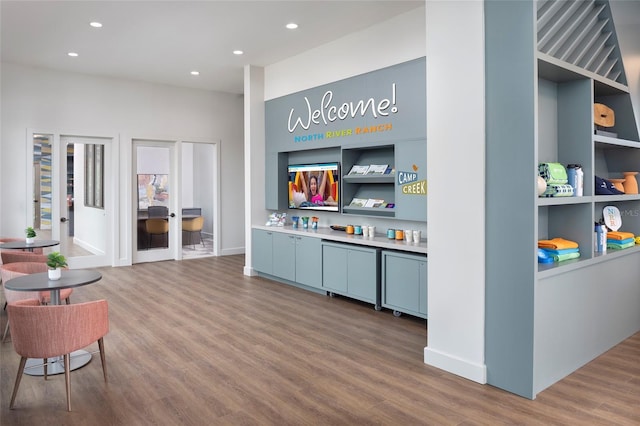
point(197, 343)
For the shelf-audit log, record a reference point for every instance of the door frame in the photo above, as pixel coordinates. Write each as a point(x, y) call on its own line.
point(111, 202)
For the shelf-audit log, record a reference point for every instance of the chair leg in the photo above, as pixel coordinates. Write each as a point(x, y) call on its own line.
point(23, 361)
point(68, 300)
point(103, 359)
point(67, 379)
point(6, 330)
point(202, 239)
point(45, 365)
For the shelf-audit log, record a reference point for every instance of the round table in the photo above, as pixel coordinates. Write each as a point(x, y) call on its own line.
point(41, 282)
point(22, 244)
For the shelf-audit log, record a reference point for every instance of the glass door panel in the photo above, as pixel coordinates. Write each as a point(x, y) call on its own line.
point(154, 203)
point(84, 224)
point(69, 192)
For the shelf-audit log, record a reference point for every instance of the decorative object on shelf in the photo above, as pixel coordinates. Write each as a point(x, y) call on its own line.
point(542, 186)
point(30, 234)
point(350, 229)
point(55, 261)
point(305, 222)
point(618, 240)
point(391, 234)
point(618, 184)
point(575, 176)
point(294, 220)
point(276, 219)
point(558, 190)
point(605, 187)
point(601, 238)
point(553, 173)
point(604, 118)
point(314, 222)
point(399, 234)
point(338, 228)
point(555, 176)
point(611, 217)
point(558, 249)
point(416, 236)
point(630, 183)
point(603, 115)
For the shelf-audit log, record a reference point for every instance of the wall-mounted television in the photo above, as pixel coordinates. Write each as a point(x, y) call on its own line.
point(314, 186)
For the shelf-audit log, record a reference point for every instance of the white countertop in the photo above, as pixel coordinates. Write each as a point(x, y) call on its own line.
point(379, 240)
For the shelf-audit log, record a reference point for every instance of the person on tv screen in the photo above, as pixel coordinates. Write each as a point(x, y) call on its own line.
point(314, 190)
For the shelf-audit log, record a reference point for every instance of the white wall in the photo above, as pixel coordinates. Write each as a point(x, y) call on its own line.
point(455, 125)
point(399, 39)
point(60, 102)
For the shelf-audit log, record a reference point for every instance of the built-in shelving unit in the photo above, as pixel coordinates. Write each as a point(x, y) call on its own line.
point(543, 321)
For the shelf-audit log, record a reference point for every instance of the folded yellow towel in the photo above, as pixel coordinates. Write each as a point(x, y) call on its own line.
point(619, 235)
point(638, 239)
point(557, 244)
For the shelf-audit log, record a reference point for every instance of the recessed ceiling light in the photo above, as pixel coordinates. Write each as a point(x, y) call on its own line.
point(96, 24)
point(195, 72)
point(72, 54)
point(238, 52)
point(292, 26)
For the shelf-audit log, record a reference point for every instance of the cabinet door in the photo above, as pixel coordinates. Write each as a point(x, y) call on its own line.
point(262, 251)
point(404, 283)
point(423, 287)
point(284, 256)
point(362, 274)
point(309, 261)
point(334, 268)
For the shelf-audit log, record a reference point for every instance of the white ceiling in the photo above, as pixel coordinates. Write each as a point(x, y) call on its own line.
point(162, 41)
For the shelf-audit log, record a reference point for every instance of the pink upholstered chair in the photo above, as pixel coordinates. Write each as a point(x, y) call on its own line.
point(18, 269)
point(36, 250)
point(49, 331)
point(13, 256)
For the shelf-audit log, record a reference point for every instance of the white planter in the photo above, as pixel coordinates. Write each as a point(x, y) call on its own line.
point(30, 240)
point(55, 274)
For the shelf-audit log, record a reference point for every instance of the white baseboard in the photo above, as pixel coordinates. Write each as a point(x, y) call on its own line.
point(249, 271)
point(232, 251)
point(455, 365)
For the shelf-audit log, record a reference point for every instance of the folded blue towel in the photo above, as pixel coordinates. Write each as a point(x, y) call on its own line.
point(563, 251)
point(621, 242)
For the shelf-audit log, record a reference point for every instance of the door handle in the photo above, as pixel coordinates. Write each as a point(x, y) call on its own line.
point(63, 219)
point(172, 215)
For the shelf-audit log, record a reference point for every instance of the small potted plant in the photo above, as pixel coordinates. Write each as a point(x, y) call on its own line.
point(55, 261)
point(31, 234)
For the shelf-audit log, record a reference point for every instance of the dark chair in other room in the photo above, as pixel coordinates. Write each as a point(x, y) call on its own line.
point(192, 231)
point(158, 211)
point(157, 226)
point(44, 332)
point(191, 211)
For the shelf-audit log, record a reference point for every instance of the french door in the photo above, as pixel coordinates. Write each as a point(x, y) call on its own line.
point(174, 182)
point(156, 199)
point(72, 195)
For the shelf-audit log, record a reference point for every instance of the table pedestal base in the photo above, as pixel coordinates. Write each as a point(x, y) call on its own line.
point(78, 359)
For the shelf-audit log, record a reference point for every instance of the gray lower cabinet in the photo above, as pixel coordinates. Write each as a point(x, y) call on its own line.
point(290, 257)
point(404, 283)
point(351, 271)
point(262, 250)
